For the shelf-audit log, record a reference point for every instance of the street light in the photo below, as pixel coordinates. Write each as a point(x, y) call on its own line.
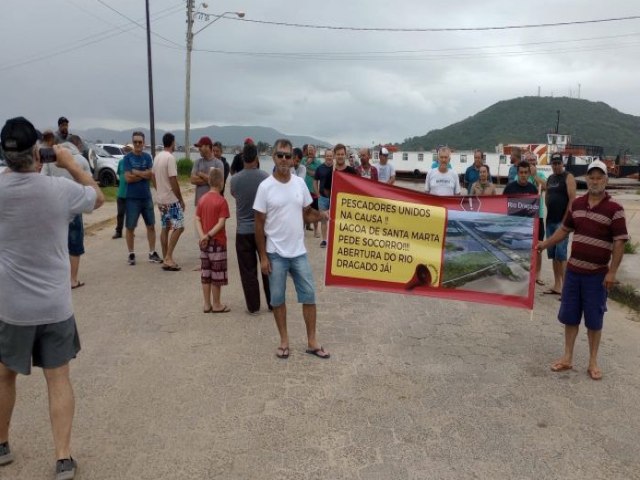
point(190, 34)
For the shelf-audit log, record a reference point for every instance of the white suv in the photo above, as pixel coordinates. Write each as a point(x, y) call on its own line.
point(114, 149)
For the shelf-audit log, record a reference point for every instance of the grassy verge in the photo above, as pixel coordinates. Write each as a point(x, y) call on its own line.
point(627, 295)
point(110, 193)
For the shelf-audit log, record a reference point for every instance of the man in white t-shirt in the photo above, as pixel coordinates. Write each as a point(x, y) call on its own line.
point(283, 205)
point(442, 181)
point(170, 203)
point(386, 172)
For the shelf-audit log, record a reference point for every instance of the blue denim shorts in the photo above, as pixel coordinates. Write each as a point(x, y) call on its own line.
point(583, 294)
point(301, 273)
point(137, 207)
point(76, 237)
point(559, 250)
point(324, 203)
point(171, 216)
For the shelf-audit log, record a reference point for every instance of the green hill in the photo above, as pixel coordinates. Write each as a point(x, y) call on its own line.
point(529, 119)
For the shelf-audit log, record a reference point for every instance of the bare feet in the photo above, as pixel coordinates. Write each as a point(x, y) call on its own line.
point(595, 373)
point(561, 365)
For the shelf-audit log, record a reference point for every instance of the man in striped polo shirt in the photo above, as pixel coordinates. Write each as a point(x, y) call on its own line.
point(599, 234)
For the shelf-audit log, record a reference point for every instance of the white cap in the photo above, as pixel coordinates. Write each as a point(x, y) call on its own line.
point(597, 164)
point(384, 151)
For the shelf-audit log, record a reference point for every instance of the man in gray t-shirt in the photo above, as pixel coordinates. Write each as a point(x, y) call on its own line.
point(200, 170)
point(244, 186)
point(37, 324)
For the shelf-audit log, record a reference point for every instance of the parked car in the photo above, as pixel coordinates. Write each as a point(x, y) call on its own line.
point(114, 149)
point(103, 166)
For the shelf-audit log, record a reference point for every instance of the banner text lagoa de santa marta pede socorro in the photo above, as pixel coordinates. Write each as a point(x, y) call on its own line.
point(478, 249)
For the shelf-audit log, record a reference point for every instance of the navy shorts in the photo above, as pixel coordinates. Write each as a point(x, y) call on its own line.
point(51, 345)
point(136, 207)
point(583, 294)
point(76, 237)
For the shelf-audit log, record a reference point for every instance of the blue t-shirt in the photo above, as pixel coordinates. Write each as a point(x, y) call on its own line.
point(143, 162)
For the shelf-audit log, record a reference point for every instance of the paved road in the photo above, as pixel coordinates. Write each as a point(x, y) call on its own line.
point(417, 388)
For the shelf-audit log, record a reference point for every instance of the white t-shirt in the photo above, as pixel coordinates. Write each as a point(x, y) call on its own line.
point(443, 184)
point(385, 172)
point(283, 203)
point(34, 263)
point(164, 166)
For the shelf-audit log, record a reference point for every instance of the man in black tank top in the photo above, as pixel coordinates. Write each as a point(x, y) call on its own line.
point(561, 191)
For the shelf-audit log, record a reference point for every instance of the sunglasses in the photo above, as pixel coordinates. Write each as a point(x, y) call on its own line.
point(281, 155)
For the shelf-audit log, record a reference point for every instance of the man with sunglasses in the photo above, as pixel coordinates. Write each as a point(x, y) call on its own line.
point(137, 174)
point(282, 205)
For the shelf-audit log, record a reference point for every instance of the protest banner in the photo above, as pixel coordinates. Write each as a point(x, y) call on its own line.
point(478, 249)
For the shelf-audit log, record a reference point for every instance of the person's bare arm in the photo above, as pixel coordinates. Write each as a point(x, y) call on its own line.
point(392, 180)
point(175, 188)
point(261, 242)
point(616, 258)
point(558, 236)
point(311, 215)
point(65, 160)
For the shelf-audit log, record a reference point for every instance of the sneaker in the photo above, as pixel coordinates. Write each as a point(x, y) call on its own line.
point(117, 235)
point(66, 469)
point(6, 457)
point(132, 259)
point(155, 258)
point(323, 244)
point(255, 313)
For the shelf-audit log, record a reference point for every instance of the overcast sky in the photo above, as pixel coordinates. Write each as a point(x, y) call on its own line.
point(81, 59)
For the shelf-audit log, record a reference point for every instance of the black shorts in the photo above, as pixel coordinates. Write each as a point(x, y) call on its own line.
point(51, 345)
point(540, 229)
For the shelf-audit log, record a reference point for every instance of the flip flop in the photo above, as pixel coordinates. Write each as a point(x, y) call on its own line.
point(595, 373)
point(77, 285)
point(551, 292)
point(318, 352)
point(560, 367)
point(225, 309)
point(171, 268)
point(208, 311)
point(539, 282)
point(285, 352)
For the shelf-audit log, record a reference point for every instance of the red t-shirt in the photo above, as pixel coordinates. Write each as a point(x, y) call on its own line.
point(211, 208)
point(594, 231)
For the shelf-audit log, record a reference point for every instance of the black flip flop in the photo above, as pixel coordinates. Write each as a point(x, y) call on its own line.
point(285, 352)
point(316, 352)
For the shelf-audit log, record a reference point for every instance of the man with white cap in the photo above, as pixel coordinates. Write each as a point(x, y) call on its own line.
point(599, 234)
point(386, 172)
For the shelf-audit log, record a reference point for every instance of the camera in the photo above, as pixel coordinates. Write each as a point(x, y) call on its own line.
point(47, 155)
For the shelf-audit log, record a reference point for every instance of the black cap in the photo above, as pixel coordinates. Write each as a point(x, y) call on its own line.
point(18, 134)
point(556, 157)
point(62, 120)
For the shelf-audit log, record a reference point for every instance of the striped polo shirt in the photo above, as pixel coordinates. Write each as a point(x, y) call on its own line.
point(594, 231)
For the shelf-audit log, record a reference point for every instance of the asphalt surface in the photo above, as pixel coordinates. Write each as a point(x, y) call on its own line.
point(416, 388)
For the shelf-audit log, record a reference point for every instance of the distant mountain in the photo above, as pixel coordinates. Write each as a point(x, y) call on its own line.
point(229, 136)
point(529, 119)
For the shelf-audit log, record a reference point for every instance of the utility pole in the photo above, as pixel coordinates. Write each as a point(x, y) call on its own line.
point(187, 94)
point(558, 121)
point(152, 126)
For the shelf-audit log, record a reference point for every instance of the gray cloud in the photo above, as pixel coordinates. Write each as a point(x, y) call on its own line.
point(326, 89)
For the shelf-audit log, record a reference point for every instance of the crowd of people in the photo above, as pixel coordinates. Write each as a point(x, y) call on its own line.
point(47, 200)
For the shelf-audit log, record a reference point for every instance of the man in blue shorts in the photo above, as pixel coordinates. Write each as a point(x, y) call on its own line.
point(561, 192)
point(137, 174)
point(599, 234)
point(37, 325)
point(279, 201)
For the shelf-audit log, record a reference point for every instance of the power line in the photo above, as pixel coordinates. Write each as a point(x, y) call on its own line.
point(365, 53)
point(89, 40)
point(101, 2)
point(433, 29)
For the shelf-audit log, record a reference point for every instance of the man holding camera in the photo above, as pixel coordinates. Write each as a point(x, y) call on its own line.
point(36, 314)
